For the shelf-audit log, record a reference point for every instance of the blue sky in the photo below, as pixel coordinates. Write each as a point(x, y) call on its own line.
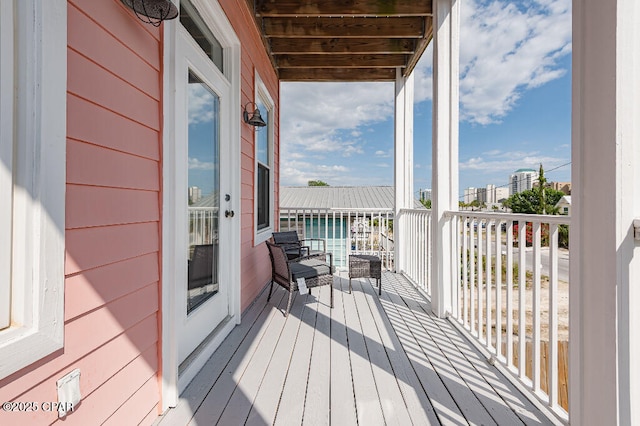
point(515, 106)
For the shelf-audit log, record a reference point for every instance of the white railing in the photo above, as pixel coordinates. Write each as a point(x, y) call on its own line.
point(510, 287)
point(346, 231)
point(507, 265)
point(203, 225)
point(414, 233)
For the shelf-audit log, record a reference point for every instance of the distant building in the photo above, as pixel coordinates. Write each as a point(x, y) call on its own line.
point(561, 186)
point(501, 194)
point(489, 195)
point(521, 180)
point(424, 194)
point(195, 194)
point(470, 194)
point(564, 205)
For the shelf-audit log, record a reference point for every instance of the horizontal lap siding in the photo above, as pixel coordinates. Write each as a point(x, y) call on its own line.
point(112, 224)
point(256, 267)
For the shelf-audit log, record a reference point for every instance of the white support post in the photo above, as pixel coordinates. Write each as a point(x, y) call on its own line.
point(604, 373)
point(403, 171)
point(446, 44)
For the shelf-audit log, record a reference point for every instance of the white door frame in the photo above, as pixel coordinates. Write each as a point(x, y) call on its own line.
point(215, 18)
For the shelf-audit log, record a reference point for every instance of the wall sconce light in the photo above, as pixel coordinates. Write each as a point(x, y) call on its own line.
point(254, 119)
point(152, 11)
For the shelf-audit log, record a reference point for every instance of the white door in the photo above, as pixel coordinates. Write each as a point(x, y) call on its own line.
point(203, 138)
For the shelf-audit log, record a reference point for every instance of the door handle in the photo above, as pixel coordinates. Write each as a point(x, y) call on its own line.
point(229, 213)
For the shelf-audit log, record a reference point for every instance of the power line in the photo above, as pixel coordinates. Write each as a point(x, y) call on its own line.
point(510, 183)
point(523, 179)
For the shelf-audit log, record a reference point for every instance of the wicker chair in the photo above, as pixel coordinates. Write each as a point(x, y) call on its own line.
point(286, 272)
point(294, 247)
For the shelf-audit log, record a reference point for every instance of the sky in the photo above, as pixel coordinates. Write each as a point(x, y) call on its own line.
point(515, 107)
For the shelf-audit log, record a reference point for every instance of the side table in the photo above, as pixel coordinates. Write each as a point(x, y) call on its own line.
point(364, 265)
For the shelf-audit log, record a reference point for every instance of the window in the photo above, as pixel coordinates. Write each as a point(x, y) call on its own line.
point(264, 165)
point(194, 24)
point(33, 38)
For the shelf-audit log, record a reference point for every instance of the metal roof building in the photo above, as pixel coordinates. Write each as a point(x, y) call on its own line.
point(339, 197)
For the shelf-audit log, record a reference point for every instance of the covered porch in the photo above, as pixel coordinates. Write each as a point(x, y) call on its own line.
point(405, 359)
point(369, 360)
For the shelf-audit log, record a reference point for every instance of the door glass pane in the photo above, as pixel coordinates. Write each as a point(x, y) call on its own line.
point(204, 191)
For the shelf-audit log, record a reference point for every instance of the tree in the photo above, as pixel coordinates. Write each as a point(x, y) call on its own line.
point(426, 203)
point(542, 183)
point(317, 183)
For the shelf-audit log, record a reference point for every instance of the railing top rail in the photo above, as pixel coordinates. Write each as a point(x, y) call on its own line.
point(426, 211)
point(551, 219)
point(337, 209)
point(204, 208)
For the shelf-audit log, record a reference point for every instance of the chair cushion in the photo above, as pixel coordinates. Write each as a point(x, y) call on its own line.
point(309, 268)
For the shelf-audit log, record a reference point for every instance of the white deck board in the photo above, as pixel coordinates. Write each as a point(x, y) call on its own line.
point(266, 401)
point(198, 389)
point(343, 404)
point(370, 360)
point(317, 399)
point(222, 390)
point(419, 407)
point(291, 406)
point(393, 405)
point(368, 406)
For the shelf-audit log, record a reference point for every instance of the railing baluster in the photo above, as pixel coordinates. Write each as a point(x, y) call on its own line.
point(345, 240)
point(498, 275)
point(480, 280)
point(488, 284)
point(522, 274)
point(472, 276)
point(553, 316)
point(455, 271)
point(537, 272)
point(509, 278)
point(429, 251)
point(465, 272)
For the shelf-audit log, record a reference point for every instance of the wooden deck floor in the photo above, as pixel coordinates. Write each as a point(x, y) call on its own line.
point(368, 361)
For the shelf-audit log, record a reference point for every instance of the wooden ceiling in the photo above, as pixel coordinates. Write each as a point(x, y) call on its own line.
point(344, 40)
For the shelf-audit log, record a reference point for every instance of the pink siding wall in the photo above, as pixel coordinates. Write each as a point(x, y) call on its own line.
point(112, 220)
point(256, 267)
point(113, 200)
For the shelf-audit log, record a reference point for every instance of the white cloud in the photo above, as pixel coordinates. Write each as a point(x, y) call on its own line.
point(195, 164)
point(505, 50)
point(201, 104)
point(383, 154)
point(315, 112)
point(300, 172)
point(508, 162)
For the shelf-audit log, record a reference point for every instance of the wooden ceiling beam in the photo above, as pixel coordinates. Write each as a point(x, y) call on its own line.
point(340, 45)
point(337, 74)
point(340, 61)
point(343, 8)
point(421, 47)
point(411, 27)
